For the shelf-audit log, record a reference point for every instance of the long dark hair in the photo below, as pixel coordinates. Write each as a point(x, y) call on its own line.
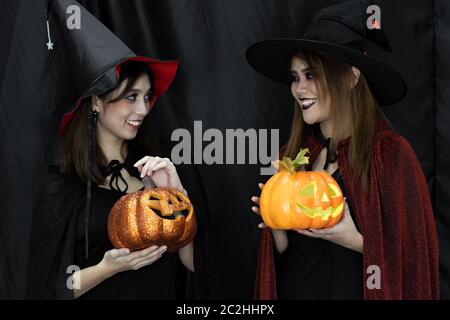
point(74, 150)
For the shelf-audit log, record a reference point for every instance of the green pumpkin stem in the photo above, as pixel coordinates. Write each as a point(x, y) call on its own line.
point(298, 163)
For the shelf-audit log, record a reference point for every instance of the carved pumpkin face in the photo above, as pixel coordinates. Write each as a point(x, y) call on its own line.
point(301, 200)
point(159, 216)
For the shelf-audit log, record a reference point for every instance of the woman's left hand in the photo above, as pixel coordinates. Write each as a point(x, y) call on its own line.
point(344, 233)
point(161, 170)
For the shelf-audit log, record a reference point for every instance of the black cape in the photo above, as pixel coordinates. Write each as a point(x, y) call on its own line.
point(58, 201)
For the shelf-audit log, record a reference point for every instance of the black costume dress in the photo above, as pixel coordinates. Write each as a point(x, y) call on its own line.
point(315, 269)
point(57, 242)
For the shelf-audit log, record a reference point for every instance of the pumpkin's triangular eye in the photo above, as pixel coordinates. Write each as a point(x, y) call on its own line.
point(309, 190)
point(333, 190)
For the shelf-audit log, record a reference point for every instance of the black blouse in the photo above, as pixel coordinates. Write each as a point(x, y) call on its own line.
point(313, 268)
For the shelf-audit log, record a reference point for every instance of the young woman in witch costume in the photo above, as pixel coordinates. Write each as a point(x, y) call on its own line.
point(388, 225)
point(108, 149)
point(122, 143)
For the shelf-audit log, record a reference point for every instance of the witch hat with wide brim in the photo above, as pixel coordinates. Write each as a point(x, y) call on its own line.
point(339, 31)
point(86, 61)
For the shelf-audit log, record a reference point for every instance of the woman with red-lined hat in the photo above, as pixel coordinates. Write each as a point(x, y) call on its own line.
point(108, 150)
point(123, 149)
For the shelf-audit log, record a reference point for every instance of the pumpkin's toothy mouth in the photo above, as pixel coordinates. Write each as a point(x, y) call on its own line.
point(173, 216)
point(318, 212)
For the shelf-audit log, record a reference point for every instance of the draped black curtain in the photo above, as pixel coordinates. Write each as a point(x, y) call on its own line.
point(215, 85)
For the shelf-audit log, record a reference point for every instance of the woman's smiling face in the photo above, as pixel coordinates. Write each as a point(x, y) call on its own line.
point(315, 109)
point(122, 118)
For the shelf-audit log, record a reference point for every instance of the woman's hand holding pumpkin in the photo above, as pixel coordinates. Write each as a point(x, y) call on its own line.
point(161, 170)
point(255, 209)
point(118, 260)
point(279, 236)
point(344, 233)
point(113, 262)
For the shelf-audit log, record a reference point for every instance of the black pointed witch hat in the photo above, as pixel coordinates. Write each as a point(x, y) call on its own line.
point(340, 31)
point(87, 61)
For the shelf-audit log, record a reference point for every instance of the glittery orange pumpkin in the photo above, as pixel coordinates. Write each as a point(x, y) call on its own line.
point(301, 199)
point(159, 216)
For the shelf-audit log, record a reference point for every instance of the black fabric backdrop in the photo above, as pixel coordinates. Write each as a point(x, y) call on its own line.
point(215, 85)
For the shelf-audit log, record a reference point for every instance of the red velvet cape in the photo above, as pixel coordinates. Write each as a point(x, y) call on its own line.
point(395, 217)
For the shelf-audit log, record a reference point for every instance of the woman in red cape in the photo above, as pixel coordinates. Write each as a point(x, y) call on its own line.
point(385, 246)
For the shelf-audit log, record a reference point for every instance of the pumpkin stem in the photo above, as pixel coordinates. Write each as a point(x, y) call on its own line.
point(287, 164)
